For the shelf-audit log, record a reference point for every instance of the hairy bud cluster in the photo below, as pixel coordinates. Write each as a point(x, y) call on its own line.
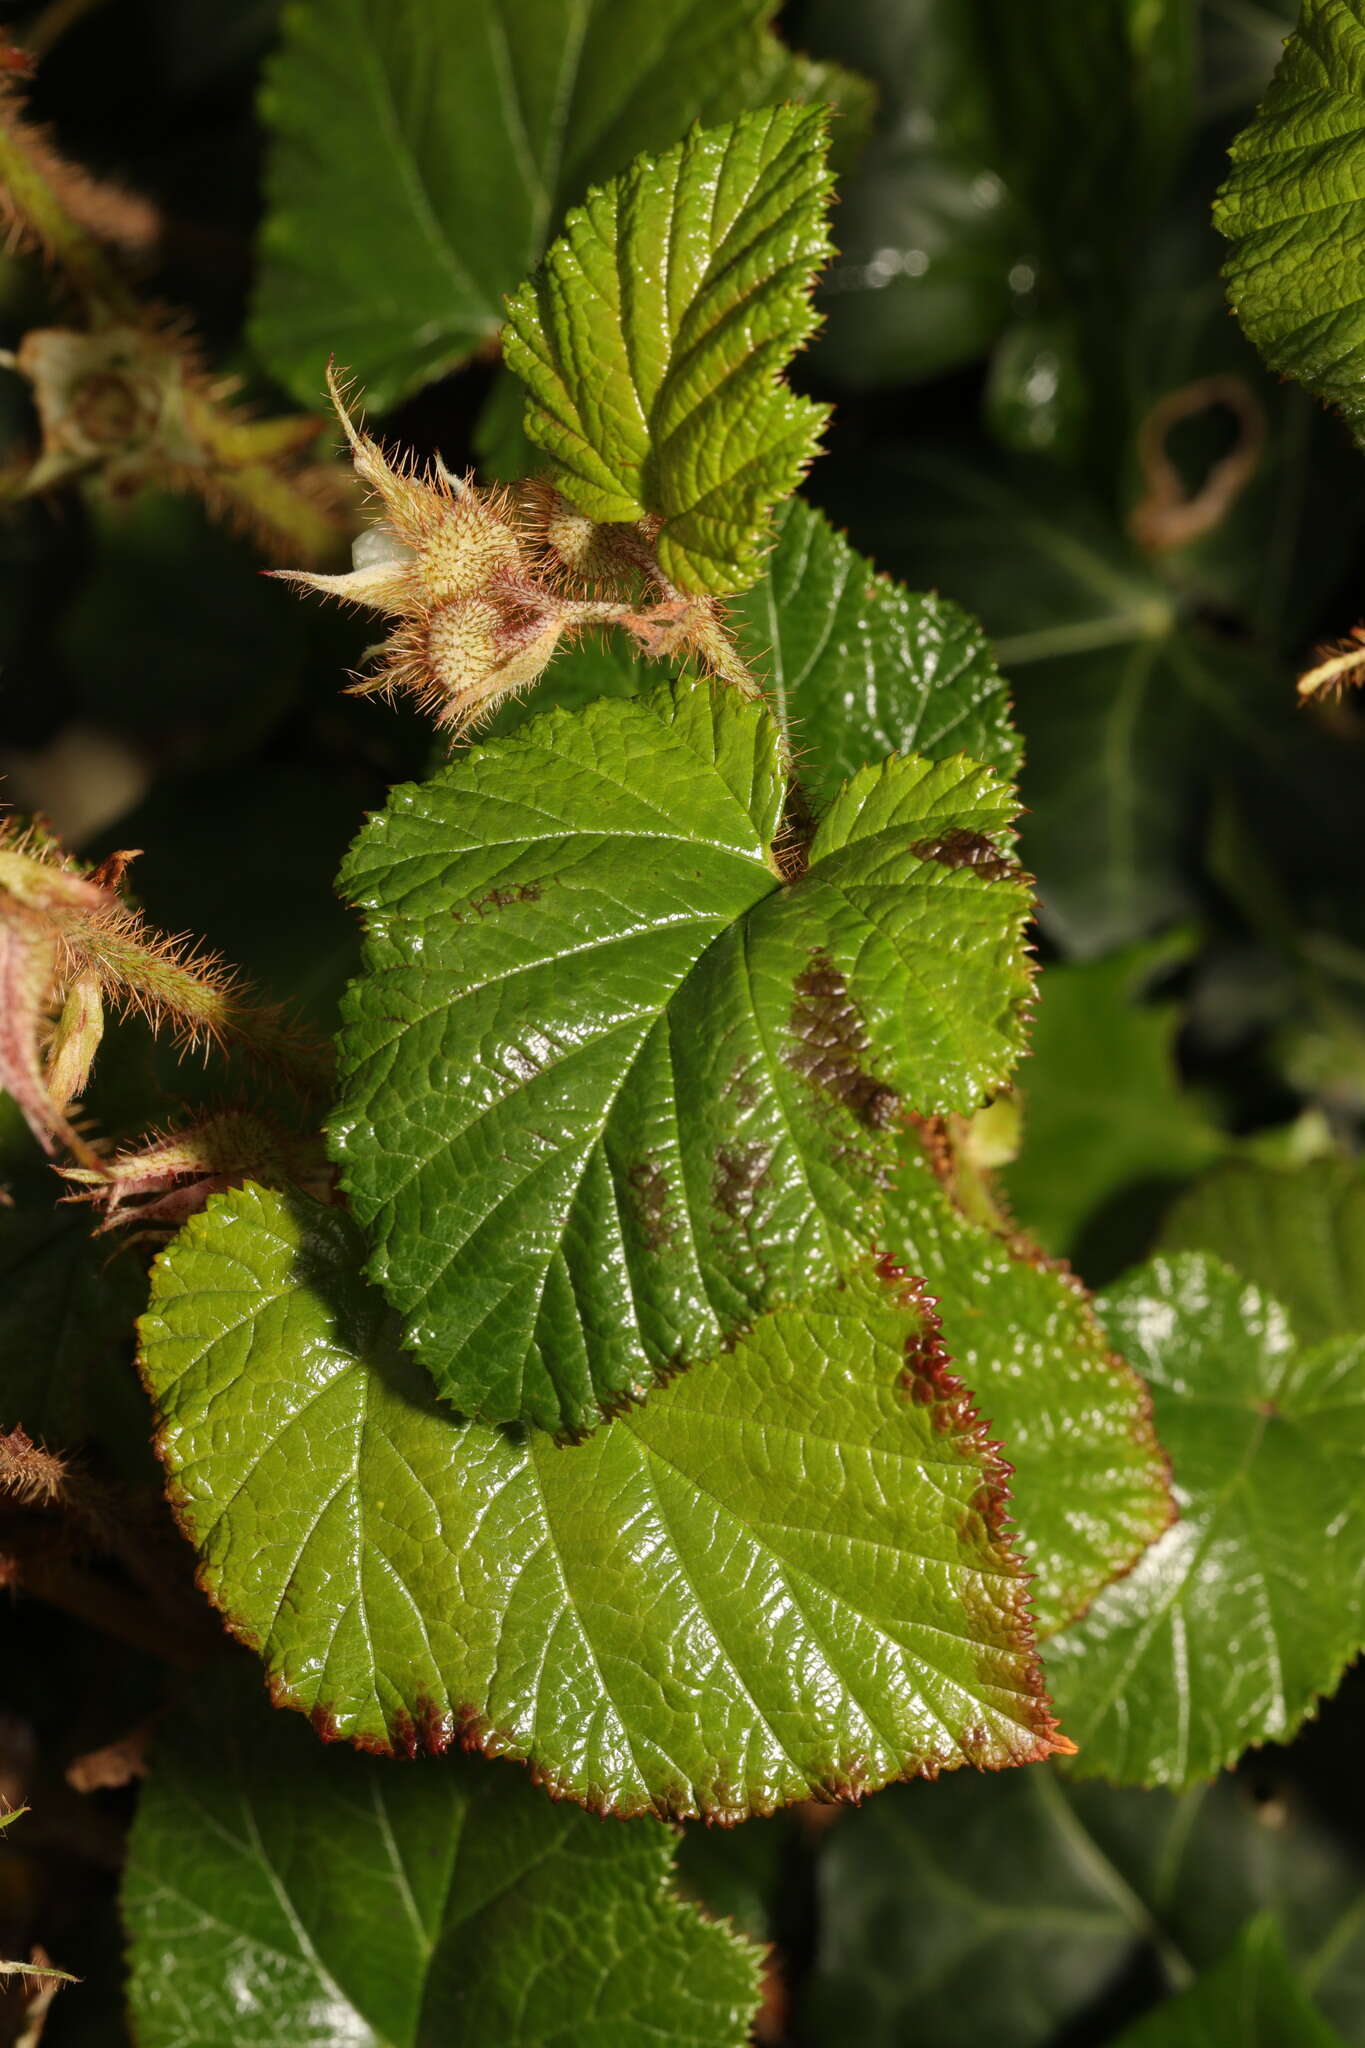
point(484, 584)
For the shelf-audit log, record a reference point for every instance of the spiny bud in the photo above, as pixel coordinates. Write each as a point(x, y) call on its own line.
point(453, 565)
point(593, 555)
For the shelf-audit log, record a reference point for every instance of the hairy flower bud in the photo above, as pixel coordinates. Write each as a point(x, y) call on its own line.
point(454, 565)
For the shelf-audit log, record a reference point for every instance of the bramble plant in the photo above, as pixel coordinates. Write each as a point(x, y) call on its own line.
point(612, 1313)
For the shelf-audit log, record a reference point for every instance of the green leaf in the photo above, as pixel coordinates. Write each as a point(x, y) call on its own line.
point(1090, 1488)
point(1298, 1234)
point(1249, 1608)
point(657, 389)
point(279, 1892)
point(1130, 710)
point(1108, 1129)
point(853, 666)
point(608, 1087)
point(856, 668)
point(1292, 210)
point(1250, 2000)
point(451, 142)
point(1004, 1910)
point(779, 1579)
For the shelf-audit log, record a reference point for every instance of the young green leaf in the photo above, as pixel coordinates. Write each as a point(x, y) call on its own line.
point(1250, 1607)
point(1249, 2000)
point(1292, 210)
point(653, 342)
point(608, 1087)
point(278, 1892)
point(1003, 1910)
point(1090, 1488)
point(782, 1578)
point(452, 141)
point(1300, 1234)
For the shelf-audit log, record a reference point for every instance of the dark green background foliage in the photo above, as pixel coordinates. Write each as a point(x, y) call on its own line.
point(402, 1440)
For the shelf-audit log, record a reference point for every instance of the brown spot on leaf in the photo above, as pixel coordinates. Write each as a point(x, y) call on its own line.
point(831, 1041)
point(499, 899)
point(649, 1188)
point(963, 849)
point(740, 1172)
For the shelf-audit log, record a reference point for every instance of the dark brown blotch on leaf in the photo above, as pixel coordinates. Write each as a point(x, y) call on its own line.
point(963, 849)
point(740, 1172)
point(649, 1189)
point(831, 1041)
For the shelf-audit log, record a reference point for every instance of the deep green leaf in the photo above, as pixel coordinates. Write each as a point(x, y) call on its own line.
point(1299, 1234)
point(1090, 1479)
point(281, 1894)
point(1108, 1129)
point(657, 387)
point(608, 1087)
point(1003, 1910)
point(451, 141)
point(780, 1578)
point(1292, 209)
point(1249, 2000)
point(856, 668)
point(1249, 1608)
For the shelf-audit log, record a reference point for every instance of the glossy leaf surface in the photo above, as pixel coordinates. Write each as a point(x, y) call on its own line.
point(927, 233)
point(1090, 1484)
point(781, 1578)
point(279, 1892)
point(855, 667)
point(1292, 209)
point(609, 1088)
point(653, 342)
point(1250, 1606)
point(1131, 710)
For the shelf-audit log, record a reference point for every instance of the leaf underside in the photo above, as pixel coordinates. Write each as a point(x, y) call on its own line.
point(785, 1577)
point(653, 341)
point(1251, 1605)
point(608, 1087)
